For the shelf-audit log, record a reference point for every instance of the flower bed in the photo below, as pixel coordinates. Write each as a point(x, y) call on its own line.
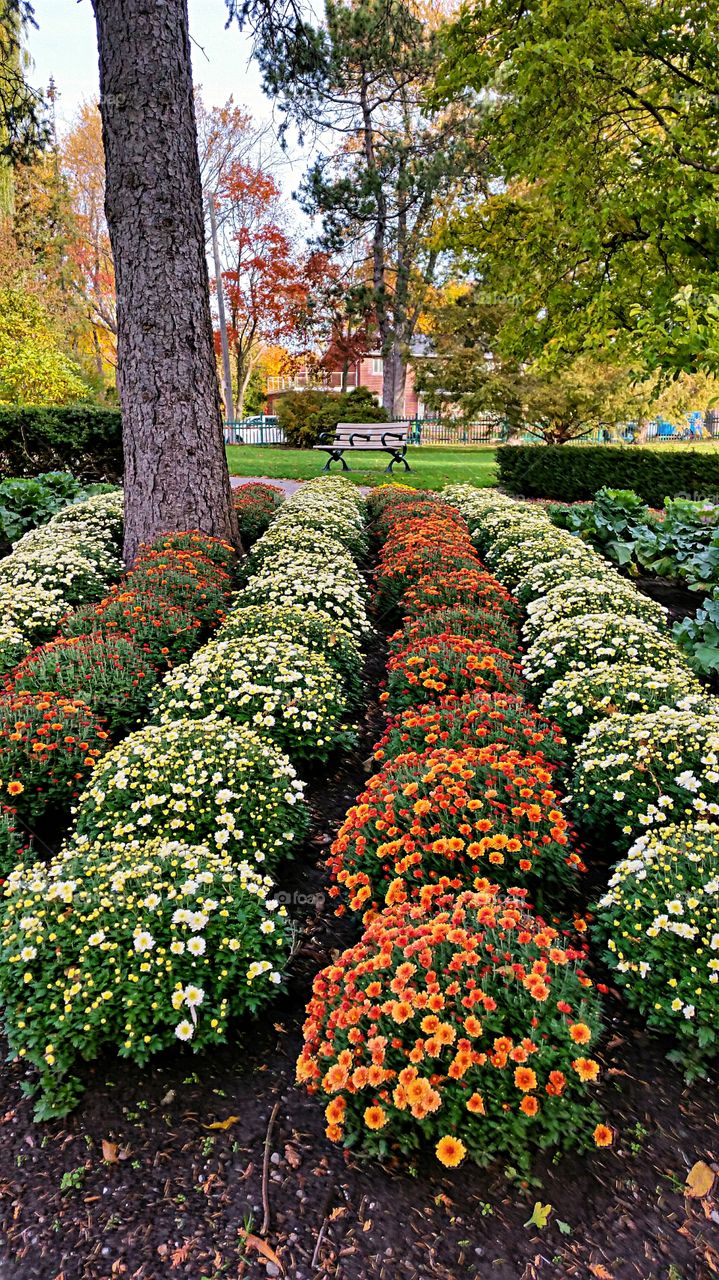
point(140, 946)
point(584, 641)
point(473, 624)
point(587, 595)
point(461, 1023)
point(166, 632)
point(471, 587)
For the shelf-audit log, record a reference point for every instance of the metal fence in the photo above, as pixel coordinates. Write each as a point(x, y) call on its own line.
point(489, 429)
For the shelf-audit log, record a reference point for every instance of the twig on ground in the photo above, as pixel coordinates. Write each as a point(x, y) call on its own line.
point(265, 1171)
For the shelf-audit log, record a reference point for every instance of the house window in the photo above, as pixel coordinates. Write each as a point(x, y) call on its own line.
point(378, 366)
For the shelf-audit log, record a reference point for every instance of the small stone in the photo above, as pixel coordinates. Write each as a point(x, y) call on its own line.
point(275, 1157)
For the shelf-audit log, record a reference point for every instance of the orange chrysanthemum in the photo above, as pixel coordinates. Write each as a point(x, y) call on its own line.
point(450, 1151)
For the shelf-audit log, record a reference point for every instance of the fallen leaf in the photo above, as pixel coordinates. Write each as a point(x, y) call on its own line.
point(600, 1272)
point(110, 1151)
point(254, 1242)
point(540, 1215)
point(222, 1124)
point(700, 1180)
point(180, 1255)
point(292, 1157)
point(366, 1226)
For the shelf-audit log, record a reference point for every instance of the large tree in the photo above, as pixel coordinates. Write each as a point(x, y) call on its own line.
point(388, 172)
point(175, 466)
point(603, 224)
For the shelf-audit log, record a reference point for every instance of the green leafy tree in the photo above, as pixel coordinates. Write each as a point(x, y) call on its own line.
point(604, 221)
point(33, 368)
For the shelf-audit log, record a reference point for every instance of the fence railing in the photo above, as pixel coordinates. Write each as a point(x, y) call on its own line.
point(262, 429)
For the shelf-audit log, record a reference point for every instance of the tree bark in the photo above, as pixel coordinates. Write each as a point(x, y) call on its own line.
point(175, 466)
point(393, 382)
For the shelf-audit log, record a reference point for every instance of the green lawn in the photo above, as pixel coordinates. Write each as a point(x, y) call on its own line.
point(432, 466)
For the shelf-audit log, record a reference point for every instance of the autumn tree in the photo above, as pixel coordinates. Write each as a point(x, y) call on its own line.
point(83, 163)
point(385, 186)
point(263, 279)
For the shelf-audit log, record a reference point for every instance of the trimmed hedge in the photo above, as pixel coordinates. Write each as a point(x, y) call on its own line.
point(572, 473)
point(83, 439)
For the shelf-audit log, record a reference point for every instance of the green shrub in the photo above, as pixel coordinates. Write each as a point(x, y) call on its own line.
point(208, 780)
point(83, 439)
point(140, 948)
point(305, 415)
point(660, 921)
point(574, 473)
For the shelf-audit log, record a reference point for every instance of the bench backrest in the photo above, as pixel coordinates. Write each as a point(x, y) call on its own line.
point(371, 432)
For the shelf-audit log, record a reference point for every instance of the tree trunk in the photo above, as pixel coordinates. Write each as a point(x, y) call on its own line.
point(394, 377)
point(175, 467)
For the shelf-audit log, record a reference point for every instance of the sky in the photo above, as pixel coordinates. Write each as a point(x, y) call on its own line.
point(64, 47)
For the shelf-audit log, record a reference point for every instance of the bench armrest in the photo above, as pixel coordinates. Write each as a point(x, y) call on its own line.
point(358, 435)
point(396, 435)
point(322, 437)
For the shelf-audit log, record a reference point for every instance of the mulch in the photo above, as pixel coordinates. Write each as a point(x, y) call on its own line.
point(159, 1172)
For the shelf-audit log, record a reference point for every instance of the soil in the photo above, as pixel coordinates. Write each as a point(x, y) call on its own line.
point(678, 600)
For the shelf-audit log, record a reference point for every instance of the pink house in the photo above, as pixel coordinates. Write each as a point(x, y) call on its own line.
point(366, 372)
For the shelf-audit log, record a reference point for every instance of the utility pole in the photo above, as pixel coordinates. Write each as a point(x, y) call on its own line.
point(226, 372)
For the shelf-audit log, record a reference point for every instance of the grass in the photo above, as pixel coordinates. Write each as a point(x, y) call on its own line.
point(432, 466)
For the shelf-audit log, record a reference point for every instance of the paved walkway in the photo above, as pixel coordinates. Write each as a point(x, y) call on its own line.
point(288, 487)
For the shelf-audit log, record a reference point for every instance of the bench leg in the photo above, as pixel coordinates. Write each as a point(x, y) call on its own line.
point(397, 457)
point(335, 457)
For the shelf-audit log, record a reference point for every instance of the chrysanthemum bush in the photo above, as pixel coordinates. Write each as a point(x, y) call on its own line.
point(580, 698)
point(635, 771)
point(132, 949)
point(473, 720)
point(34, 611)
point(13, 646)
point(588, 639)
point(517, 521)
point(57, 569)
point(443, 664)
point(342, 522)
point(255, 506)
point(193, 542)
point(100, 552)
point(472, 588)
point(318, 631)
point(110, 673)
point(100, 515)
point(270, 682)
point(545, 577)
point(460, 1025)
point(182, 584)
point(660, 921)
point(528, 549)
point(192, 562)
point(457, 814)
point(419, 547)
point(49, 744)
point(473, 624)
point(199, 780)
point(166, 632)
point(317, 590)
point(586, 595)
point(284, 543)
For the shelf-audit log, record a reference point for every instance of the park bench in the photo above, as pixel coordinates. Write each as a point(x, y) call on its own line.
point(355, 437)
